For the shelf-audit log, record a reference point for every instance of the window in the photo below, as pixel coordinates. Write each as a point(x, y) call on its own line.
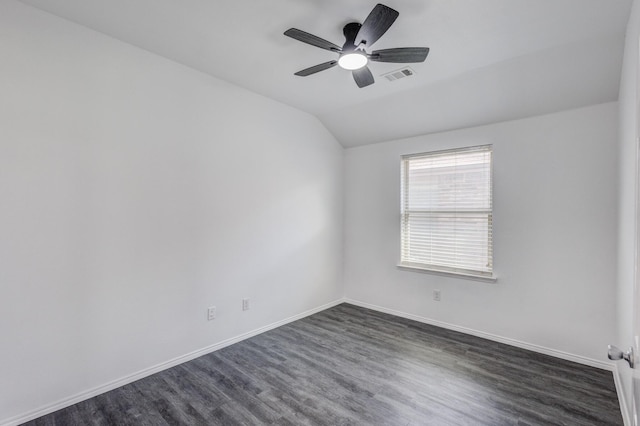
point(447, 211)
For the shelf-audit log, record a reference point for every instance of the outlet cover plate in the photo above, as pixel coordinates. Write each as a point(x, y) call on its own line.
point(211, 313)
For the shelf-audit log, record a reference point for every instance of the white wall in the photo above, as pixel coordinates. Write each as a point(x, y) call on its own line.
point(136, 192)
point(627, 195)
point(554, 233)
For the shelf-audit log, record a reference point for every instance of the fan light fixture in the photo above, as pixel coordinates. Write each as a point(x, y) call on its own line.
point(352, 61)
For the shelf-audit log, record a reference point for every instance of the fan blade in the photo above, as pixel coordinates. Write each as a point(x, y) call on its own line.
point(316, 68)
point(311, 39)
point(376, 24)
point(363, 77)
point(400, 55)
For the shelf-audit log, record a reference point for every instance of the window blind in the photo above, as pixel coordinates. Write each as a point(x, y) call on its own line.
point(447, 211)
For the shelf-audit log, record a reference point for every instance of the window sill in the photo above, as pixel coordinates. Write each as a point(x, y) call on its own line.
point(484, 278)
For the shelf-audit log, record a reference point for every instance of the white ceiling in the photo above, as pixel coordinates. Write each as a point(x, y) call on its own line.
point(490, 60)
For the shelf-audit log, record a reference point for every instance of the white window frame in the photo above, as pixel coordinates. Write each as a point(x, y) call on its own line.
point(448, 264)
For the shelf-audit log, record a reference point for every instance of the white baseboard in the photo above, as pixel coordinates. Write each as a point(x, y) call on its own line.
point(512, 342)
point(621, 396)
point(82, 396)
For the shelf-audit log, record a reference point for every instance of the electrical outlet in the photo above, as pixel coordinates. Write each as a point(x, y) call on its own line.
point(436, 295)
point(245, 304)
point(211, 313)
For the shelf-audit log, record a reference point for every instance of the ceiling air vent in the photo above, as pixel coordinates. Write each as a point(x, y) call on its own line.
point(398, 74)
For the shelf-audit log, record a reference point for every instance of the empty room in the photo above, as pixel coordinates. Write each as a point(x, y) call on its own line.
point(422, 212)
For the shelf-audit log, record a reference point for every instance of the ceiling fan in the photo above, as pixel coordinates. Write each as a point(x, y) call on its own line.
point(352, 54)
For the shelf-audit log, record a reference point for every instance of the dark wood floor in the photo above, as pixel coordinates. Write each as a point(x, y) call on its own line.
point(349, 365)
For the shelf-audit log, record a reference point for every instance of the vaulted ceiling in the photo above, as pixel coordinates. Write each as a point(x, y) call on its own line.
point(490, 60)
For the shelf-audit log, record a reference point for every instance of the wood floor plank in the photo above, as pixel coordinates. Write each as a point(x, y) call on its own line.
point(353, 366)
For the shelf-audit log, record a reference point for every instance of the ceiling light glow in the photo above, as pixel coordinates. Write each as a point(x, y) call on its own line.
point(352, 61)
